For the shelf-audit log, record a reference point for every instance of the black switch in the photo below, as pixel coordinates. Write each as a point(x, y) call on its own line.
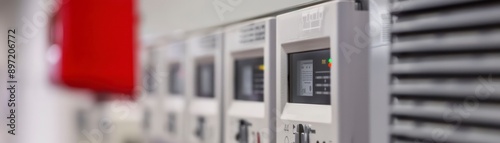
point(200, 128)
point(172, 122)
point(242, 136)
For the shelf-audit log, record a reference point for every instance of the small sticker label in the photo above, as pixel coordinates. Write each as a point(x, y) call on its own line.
point(312, 19)
point(253, 33)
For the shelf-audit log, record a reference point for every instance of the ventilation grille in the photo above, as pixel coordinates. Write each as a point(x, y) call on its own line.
point(253, 33)
point(209, 41)
point(445, 71)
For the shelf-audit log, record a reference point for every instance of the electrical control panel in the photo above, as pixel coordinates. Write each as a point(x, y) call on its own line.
point(248, 94)
point(204, 91)
point(322, 87)
point(152, 92)
point(175, 103)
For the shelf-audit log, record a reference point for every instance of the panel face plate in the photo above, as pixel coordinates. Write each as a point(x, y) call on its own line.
point(249, 79)
point(309, 77)
point(205, 80)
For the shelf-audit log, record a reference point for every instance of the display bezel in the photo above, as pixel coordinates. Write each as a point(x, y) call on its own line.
point(199, 83)
point(254, 62)
point(172, 81)
point(294, 58)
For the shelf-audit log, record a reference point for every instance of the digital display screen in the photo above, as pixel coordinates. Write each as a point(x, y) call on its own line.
point(249, 79)
point(306, 78)
point(309, 77)
point(205, 81)
point(176, 80)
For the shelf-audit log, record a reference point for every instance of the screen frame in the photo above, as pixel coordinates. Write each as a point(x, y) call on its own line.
point(198, 83)
point(172, 79)
point(322, 100)
point(247, 61)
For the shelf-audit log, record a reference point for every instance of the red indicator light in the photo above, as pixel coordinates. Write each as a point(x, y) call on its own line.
point(258, 137)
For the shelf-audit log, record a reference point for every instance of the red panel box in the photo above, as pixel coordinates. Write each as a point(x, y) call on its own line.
point(96, 41)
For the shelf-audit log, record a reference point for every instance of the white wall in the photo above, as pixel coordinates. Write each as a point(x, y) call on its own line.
point(166, 16)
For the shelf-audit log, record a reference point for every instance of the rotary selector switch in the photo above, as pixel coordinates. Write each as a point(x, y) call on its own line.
point(200, 128)
point(242, 136)
point(302, 132)
point(171, 123)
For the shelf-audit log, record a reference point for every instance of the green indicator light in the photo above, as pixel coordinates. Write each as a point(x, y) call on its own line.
point(330, 60)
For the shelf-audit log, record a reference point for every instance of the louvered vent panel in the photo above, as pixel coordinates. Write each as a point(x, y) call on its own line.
point(253, 33)
point(445, 71)
point(209, 41)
